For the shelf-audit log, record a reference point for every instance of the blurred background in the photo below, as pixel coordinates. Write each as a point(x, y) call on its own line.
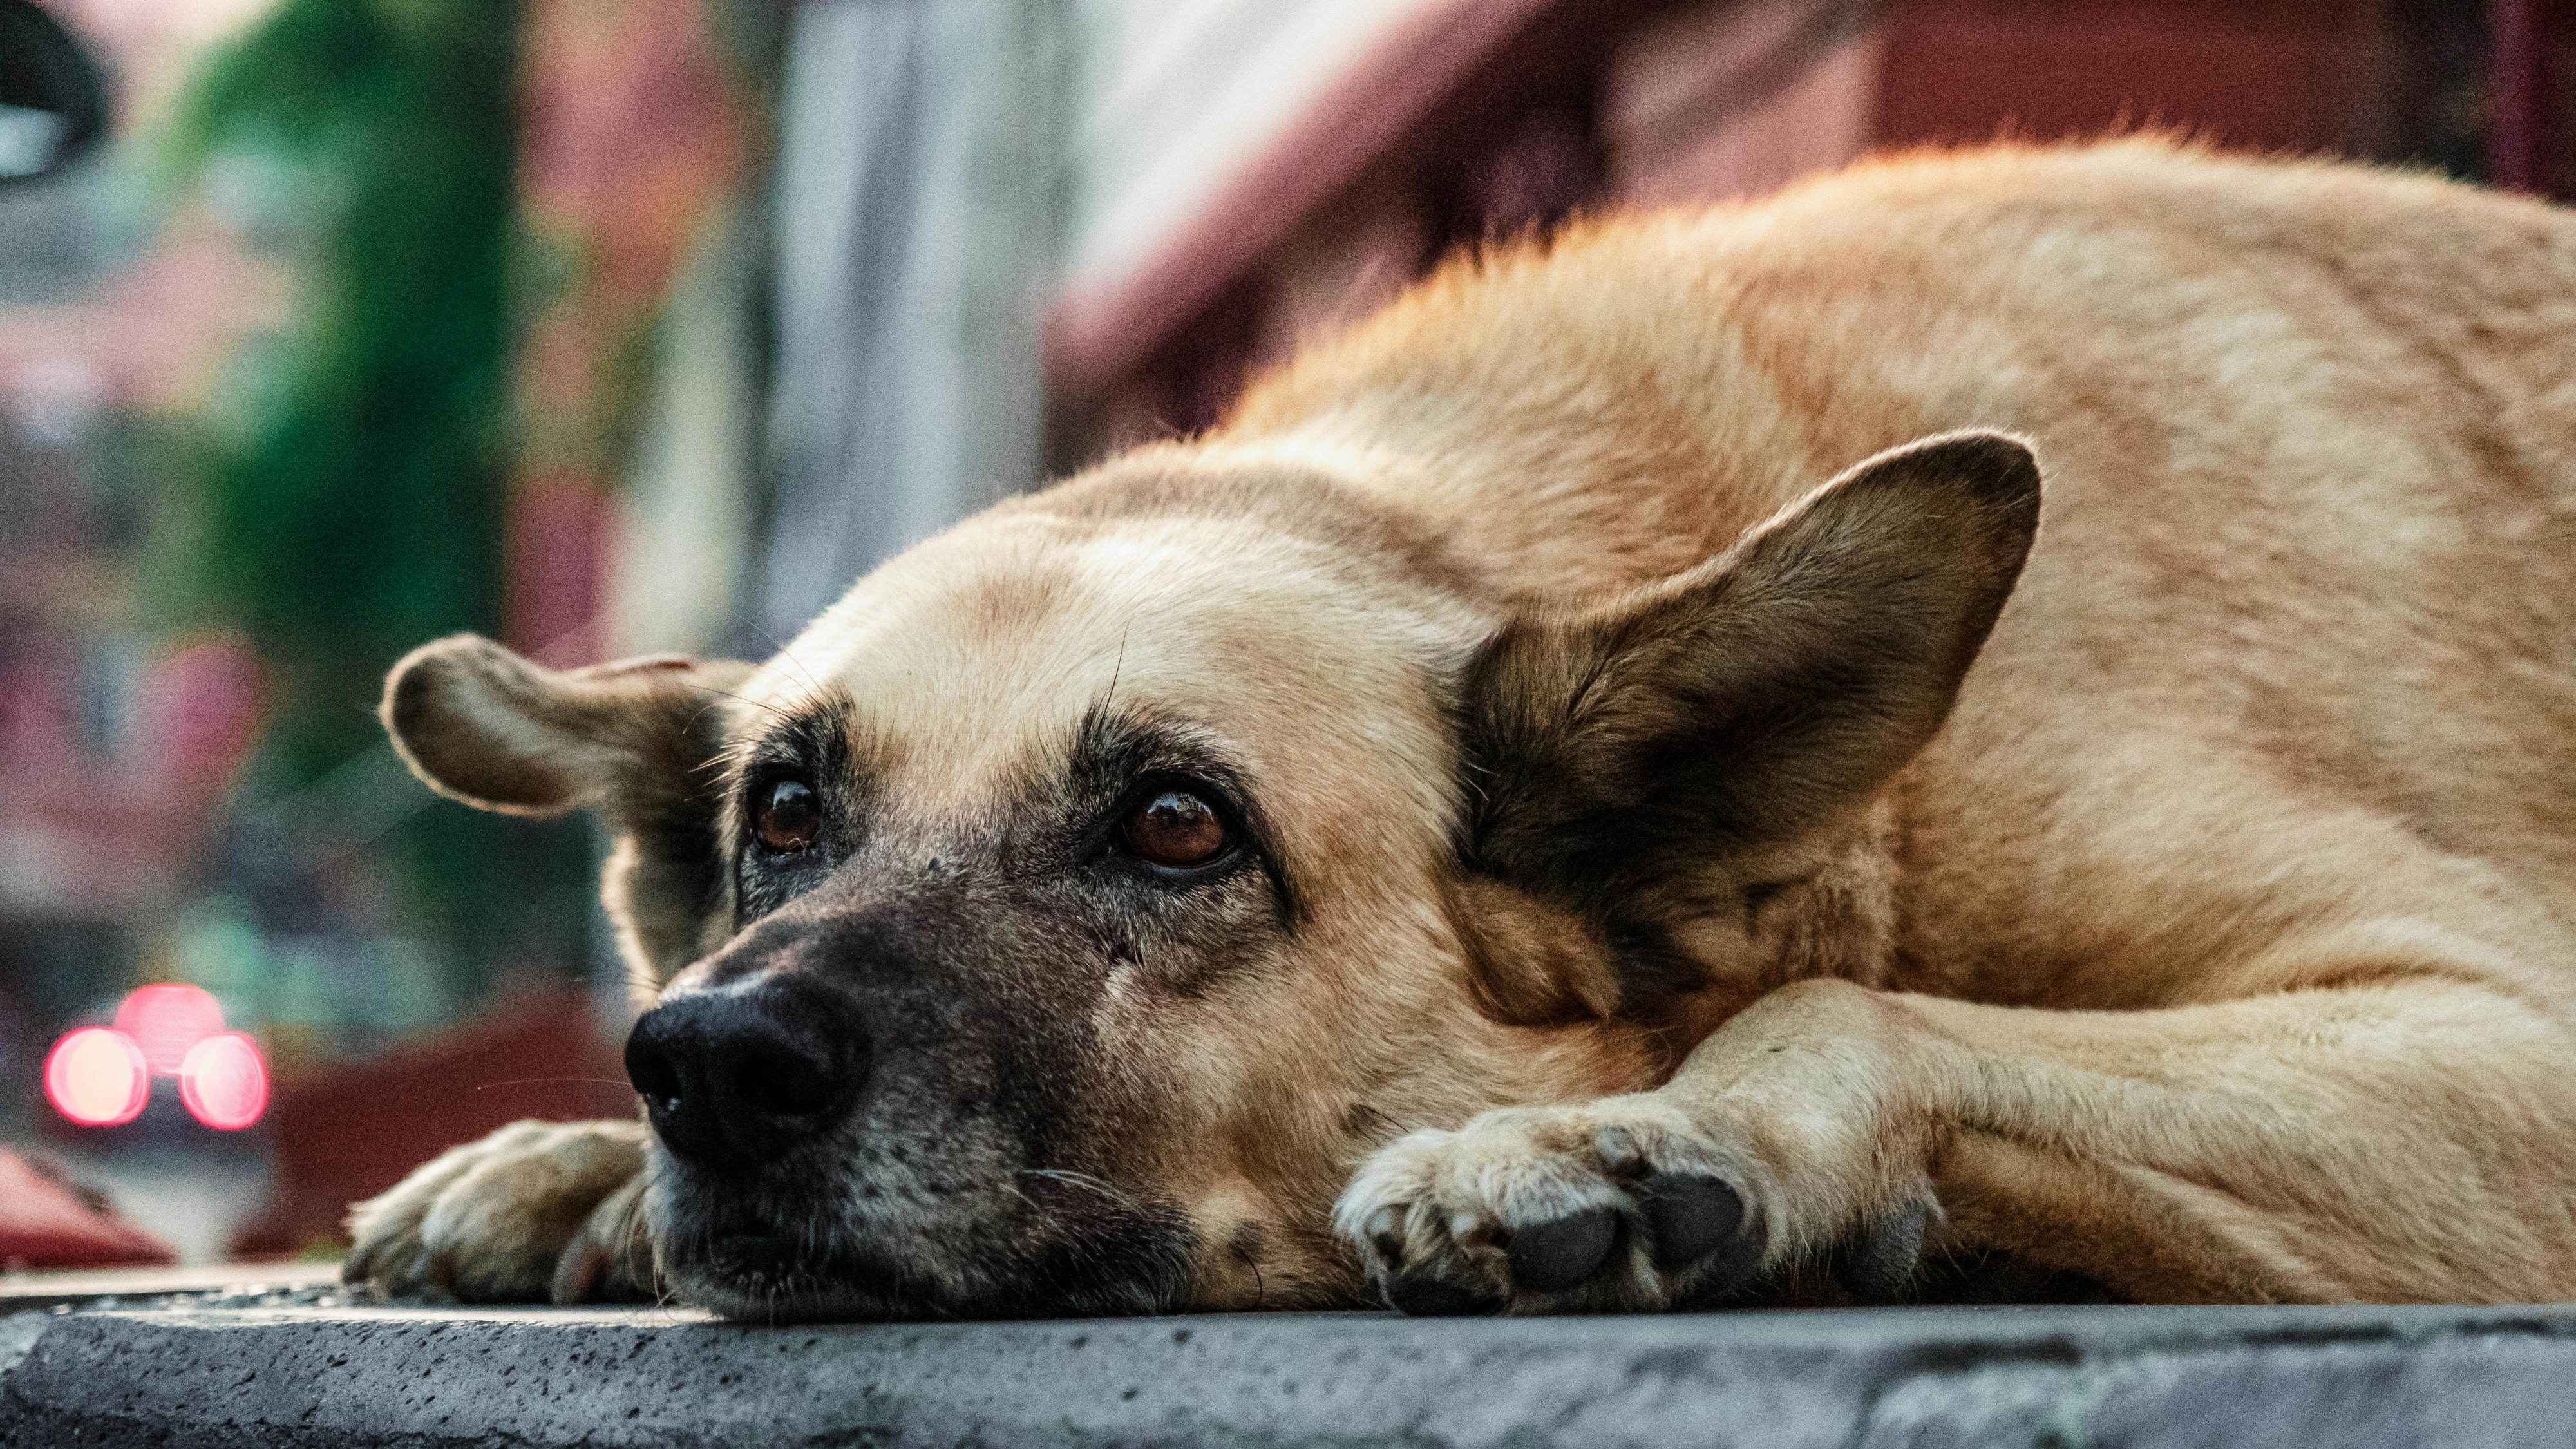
point(611, 326)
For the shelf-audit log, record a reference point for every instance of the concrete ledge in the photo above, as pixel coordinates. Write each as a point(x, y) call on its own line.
point(1923, 1378)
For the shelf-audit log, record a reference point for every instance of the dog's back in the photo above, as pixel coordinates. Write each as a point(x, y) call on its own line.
point(2300, 633)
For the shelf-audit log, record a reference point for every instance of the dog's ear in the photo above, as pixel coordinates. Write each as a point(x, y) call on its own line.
point(630, 740)
point(1757, 696)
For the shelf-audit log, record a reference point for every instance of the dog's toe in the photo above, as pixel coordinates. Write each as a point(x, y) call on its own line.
point(490, 1222)
point(1561, 1253)
point(1623, 1204)
point(1879, 1260)
point(1423, 1293)
point(1558, 1209)
point(1688, 1217)
point(611, 1259)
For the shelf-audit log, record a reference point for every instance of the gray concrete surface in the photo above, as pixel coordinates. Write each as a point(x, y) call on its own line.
point(1862, 1379)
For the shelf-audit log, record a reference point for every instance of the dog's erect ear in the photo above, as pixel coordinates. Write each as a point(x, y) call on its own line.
point(1757, 696)
point(630, 740)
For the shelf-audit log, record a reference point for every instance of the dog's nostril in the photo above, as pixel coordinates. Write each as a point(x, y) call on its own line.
point(650, 1069)
point(736, 1078)
point(657, 1079)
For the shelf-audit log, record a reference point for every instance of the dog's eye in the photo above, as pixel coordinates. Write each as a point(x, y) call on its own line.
point(789, 818)
point(1177, 830)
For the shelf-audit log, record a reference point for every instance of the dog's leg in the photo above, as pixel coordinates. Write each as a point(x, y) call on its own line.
point(537, 1211)
point(2366, 1132)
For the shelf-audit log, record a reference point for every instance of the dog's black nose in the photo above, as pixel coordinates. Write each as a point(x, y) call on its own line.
point(735, 1077)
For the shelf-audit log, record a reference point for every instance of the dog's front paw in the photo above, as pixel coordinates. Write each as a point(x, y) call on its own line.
point(1619, 1205)
point(537, 1211)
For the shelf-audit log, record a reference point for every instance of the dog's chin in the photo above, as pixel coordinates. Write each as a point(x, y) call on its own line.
point(766, 1278)
point(1135, 1263)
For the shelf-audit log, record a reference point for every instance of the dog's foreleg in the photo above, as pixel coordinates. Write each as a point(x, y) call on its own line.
point(2407, 1135)
point(2403, 1139)
point(537, 1211)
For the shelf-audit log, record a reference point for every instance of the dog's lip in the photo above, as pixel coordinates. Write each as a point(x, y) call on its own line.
point(766, 1275)
point(740, 1251)
point(765, 1254)
point(748, 1252)
point(738, 1241)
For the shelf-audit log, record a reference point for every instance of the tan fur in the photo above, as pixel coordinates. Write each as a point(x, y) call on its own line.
point(534, 1210)
point(2217, 944)
point(626, 740)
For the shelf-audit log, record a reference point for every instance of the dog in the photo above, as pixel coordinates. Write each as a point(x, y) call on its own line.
point(1615, 785)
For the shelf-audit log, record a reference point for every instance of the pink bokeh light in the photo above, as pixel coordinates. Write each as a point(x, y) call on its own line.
point(97, 1077)
point(224, 1083)
point(167, 1021)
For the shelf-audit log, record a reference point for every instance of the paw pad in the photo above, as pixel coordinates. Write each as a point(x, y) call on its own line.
point(1688, 1217)
point(1553, 1256)
point(1878, 1262)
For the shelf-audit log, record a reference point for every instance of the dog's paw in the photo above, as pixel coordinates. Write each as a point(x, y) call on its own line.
point(536, 1212)
point(1620, 1205)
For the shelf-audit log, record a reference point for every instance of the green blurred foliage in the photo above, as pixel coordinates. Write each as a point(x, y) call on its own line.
point(348, 503)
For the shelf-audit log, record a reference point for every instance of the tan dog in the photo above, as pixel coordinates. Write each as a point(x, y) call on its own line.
point(1485, 824)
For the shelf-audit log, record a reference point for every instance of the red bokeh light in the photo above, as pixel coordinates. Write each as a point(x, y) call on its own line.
point(224, 1083)
point(166, 1021)
point(98, 1078)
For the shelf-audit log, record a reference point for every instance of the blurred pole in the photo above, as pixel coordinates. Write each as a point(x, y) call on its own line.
point(2519, 93)
point(917, 214)
point(635, 139)
point(685, 531)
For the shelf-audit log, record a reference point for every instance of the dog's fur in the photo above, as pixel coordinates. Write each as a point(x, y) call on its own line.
point(1620, 810)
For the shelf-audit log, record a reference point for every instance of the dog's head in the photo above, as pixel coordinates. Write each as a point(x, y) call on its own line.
point(1054, 924)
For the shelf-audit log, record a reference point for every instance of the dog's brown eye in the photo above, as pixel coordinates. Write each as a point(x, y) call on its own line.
point(1176, 829)
point(790, 817)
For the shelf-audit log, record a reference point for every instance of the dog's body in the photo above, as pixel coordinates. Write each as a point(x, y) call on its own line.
point(1575, 762)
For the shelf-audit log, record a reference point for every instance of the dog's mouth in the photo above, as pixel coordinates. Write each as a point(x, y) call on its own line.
point(751, 1258)
point(777, 1275)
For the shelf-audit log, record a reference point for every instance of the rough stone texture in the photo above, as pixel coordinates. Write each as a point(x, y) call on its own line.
point(1923, 1378)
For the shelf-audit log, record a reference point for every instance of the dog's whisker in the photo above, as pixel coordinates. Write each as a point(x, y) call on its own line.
point(746, 699)
point(772, 641)
point(1081, 1179)
point(1118, 666)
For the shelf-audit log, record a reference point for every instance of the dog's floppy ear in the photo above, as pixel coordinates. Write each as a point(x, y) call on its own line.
point(629, 739)
point(1756, 696)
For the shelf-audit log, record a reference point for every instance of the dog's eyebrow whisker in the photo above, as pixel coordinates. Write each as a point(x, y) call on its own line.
point(810, 677)
point(746, 699)
point(772, 641)
point(1119, 666)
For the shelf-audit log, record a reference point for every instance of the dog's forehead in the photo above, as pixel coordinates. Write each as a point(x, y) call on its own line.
point(976, 657)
